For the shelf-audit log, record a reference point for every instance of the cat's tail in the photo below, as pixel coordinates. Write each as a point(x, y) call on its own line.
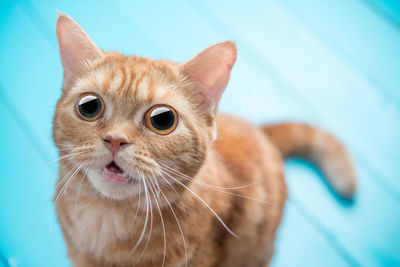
point(319, 147)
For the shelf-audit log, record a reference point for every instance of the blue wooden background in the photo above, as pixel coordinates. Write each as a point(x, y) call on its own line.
point(333, 63)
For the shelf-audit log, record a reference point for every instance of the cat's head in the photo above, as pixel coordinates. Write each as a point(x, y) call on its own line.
point(121, 118)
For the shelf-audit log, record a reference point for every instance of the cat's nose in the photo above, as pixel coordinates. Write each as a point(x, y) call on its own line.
point(115, 144)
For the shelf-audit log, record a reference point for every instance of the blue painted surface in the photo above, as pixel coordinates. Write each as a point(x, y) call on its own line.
point(331, 63)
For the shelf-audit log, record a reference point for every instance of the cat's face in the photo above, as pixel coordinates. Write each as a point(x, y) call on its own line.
point(111, 114)
point(125, 119)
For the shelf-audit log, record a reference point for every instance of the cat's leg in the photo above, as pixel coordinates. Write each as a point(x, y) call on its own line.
point(269, 252)
point(79, 259)
point(256, 220)
point(82, 261)
point(252, 249)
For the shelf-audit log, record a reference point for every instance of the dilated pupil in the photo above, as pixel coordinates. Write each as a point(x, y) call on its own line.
point(90, 108)
point(163, 121)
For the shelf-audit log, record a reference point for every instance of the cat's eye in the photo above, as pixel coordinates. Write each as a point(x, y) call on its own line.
point(161, 119)
point(89, 106)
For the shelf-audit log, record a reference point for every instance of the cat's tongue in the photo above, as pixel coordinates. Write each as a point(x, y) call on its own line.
point(112, 167)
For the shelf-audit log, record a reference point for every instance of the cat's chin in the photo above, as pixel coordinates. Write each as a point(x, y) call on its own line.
point(114, 186)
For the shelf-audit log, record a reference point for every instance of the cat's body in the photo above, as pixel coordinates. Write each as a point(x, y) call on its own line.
point(207, 191)
point(104, 224)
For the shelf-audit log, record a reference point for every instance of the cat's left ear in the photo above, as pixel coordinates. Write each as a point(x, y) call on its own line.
point(210, 71)
point(76, 48)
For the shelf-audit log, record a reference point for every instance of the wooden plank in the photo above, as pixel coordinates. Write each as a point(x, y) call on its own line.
point(372, 212)
point(298, 243)
point(389, 10)
point(30, 235)
point(361, 32)
point(30, 78)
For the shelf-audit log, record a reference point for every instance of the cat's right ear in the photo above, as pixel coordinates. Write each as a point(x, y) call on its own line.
point(76, 48)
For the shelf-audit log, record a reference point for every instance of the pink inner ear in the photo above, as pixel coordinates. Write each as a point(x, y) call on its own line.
point(211, 69)
point(76, 48)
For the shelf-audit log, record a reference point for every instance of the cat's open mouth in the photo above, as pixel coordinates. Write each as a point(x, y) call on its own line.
point(113, 172)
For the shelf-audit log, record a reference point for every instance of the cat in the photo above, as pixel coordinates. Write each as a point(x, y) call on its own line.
point(152, 175)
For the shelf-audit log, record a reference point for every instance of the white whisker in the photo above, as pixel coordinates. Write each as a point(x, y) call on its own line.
point(49, 162)
point(151, 221)
point(76, 203)
point(16, 154)
point(137, 209)
point(162, 222)
point(146, 219)
point(206, 184)
point(169, 184)
point(65, 177)
point(64, 188)
point(177, 222)
point(205, 204)
point(221, 189)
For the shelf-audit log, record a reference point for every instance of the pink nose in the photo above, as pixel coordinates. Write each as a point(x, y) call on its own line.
point(115, 144)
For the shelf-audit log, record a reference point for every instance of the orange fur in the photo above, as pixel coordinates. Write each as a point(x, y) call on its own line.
point(214, 177)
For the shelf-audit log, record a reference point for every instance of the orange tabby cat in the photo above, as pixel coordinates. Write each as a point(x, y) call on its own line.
point(152, 175)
